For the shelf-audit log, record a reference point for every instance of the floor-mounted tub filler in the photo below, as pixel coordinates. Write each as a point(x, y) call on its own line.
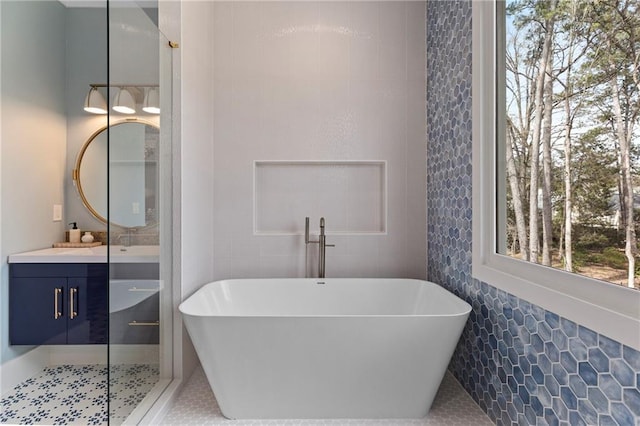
point(330, 348)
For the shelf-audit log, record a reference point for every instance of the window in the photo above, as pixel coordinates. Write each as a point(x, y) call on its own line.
point(510, 43)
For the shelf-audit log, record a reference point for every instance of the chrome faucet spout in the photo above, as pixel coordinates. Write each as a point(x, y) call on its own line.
point(322, 240)
point(322, 258)
point(126, 237)
point(322, 243)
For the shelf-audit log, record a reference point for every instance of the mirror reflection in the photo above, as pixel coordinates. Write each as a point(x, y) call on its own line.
point(132, 150)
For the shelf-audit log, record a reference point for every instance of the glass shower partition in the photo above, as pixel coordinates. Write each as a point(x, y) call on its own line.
point(140, 217)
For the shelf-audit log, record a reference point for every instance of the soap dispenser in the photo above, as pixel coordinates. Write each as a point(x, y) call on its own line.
point(74, 233)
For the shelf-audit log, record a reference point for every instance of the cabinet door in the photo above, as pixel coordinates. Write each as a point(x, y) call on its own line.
point(137, 324)
point(87, 310)
point(37, 311)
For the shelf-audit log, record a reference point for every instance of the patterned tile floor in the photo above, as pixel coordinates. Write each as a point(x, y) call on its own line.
point(196, 405)
point(77, 395)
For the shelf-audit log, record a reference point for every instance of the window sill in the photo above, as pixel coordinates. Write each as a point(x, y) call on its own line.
point(604, 308)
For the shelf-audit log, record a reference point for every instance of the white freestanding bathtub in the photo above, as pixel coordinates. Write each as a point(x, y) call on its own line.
point(324, 348)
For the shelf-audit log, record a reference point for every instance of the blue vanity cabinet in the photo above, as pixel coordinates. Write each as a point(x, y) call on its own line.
point(58, 303)
point(134, 291)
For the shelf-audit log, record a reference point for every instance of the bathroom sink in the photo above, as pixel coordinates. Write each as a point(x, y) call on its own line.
point(117, 254)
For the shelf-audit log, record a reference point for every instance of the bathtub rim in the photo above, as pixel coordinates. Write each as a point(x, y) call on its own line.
point(458, 313)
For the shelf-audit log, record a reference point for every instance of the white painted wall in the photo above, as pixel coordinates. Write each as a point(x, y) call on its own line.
point(196, 208)
point(133, 45)
point(308, 81)
point(86, 58)
point(33, 135)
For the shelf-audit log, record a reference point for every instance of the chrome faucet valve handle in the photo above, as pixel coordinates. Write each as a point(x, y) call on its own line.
point(322, 233)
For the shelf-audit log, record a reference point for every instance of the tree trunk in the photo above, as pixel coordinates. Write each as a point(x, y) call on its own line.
point(535, 142)
point(626, 183)
point(568, 127)
point(547, 229)
point(568, 244)
point(516, 196)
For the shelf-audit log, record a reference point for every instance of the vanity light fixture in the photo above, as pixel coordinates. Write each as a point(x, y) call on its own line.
point(151, 101)
point(124, 102)
point(94, 102)
point(127, 96)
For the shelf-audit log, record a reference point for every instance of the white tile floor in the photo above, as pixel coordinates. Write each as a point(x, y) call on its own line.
point(196, 405)
point(77, 394)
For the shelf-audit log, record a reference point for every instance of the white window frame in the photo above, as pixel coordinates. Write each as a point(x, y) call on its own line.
point(611, 310)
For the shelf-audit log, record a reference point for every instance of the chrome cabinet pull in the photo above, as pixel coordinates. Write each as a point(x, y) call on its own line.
point(72, 305)
point(56, 295)
point(150, 290)
point(151, 323)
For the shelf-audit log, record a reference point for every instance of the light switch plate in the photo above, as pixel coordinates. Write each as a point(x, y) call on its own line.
point(57, 212)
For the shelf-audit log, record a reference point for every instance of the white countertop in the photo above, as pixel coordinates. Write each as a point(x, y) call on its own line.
point(117, 254)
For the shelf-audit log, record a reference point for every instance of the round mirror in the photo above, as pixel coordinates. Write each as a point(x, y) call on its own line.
point(130, 150)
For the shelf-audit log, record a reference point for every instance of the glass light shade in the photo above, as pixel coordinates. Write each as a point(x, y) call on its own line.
point(94, 102)
point(152, 101)
point(124, 102)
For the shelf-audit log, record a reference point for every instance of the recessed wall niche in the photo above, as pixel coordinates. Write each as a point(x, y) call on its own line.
point(350, 195)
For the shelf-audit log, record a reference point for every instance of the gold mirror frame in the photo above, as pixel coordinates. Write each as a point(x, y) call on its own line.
point(76, 170)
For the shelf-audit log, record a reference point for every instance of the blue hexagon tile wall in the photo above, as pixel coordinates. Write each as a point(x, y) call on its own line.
point(522, 364)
